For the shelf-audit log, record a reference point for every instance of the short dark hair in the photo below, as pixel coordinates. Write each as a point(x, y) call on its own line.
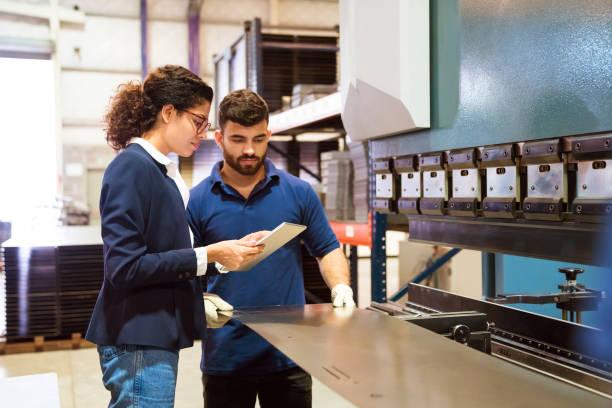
point(134, 108)
point(244, 107)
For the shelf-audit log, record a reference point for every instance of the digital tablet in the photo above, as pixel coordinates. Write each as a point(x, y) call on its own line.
point(282, 234)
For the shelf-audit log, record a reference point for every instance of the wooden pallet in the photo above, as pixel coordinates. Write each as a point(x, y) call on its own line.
point(40, 343)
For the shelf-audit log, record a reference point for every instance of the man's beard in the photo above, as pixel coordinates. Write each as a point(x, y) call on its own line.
point(234, 163)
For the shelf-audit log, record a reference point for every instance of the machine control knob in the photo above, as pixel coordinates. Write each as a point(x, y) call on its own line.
point(571, 273)
point(461, 333)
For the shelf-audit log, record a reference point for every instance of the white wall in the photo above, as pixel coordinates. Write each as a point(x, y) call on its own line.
point(466, 279)
point(307, 13)
point(20, 27)
point(407, 258)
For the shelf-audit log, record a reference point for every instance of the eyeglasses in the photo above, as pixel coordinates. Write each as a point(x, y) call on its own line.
point(200, 121)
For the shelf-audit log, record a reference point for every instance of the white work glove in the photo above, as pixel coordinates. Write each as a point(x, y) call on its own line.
point(218, 311)
point(342, 296)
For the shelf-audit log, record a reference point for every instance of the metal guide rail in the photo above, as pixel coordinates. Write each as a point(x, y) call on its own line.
point(553, 346)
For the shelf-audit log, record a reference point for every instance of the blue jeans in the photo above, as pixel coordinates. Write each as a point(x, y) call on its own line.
point(139, 376)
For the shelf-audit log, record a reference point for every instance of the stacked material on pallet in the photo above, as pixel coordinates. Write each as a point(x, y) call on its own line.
point(336, 172)
point(359, 157)
point(2, 296)
point(304, 93)
point(52, 282)
point(281, 68)
point(31, 292)
point(80, 275)
point(5, 234)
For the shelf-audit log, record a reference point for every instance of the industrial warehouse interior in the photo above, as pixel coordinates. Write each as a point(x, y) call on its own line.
point(305, 203)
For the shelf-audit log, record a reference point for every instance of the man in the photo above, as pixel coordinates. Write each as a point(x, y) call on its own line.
point(245, 193)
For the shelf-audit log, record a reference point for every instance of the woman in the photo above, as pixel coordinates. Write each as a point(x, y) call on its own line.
point(150, 304)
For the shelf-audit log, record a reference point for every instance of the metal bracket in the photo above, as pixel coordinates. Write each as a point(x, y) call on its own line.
point(386, 189)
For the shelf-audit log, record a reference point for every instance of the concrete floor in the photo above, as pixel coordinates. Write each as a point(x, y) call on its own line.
point(80, 384)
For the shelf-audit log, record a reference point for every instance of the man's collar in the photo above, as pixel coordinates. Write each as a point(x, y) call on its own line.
point(272, 173)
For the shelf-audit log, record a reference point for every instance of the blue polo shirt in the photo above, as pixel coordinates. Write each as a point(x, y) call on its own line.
point(217, 212)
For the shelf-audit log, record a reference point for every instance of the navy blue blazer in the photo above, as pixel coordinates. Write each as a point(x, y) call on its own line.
point(150, 295)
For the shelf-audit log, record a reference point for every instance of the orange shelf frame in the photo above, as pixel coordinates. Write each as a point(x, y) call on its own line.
point(353, 233)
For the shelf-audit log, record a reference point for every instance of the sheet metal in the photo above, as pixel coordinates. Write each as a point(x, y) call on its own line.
point(374, 360)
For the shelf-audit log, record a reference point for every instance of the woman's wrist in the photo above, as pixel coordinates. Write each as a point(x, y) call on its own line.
point(212, 253)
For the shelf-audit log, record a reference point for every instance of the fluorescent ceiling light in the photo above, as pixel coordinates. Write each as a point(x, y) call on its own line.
point(317, 136)
point(281, 138)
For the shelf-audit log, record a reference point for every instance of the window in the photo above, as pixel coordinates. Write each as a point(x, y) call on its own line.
point(28, 144)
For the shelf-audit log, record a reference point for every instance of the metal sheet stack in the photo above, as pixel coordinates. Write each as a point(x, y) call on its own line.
point(336, 172)
point(304, 93)
point(81, 272)
point(304, 60)
point(52, 282)
point(31, 292)
point(359, 157)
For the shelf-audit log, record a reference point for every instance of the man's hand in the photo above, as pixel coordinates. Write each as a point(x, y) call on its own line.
point(342, 296)
point(218, 311)
point(232, 254)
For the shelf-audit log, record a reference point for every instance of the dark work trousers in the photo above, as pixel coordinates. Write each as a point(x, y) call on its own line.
point(290, 388)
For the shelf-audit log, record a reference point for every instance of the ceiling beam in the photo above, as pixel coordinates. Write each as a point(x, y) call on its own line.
point(42, 11)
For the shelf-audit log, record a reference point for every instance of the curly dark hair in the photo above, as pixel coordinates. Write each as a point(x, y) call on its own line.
point(135, 106)
point(244, 107)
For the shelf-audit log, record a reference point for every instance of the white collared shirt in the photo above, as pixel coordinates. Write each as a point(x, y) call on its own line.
point(173, 173)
